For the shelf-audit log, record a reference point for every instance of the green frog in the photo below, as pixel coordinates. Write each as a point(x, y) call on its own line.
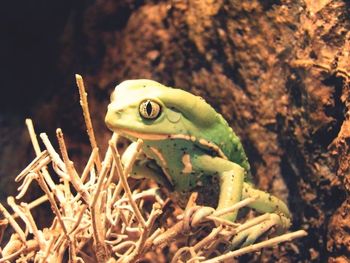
point(186, 142)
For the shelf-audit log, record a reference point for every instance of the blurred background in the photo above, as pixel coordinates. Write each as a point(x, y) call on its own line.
point(276, 70)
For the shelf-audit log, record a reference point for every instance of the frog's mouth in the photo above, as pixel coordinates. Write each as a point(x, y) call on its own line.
point(134, 135)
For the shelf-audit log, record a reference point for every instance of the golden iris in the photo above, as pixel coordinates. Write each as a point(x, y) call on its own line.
point(149, 109)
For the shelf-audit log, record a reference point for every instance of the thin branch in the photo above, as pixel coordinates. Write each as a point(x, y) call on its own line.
point(74, 177)
point(268, 243)
point(33, 137)
point(52, 202)
point(125, 184)
point(85, 106)
point(13, 223)
point(89, 164)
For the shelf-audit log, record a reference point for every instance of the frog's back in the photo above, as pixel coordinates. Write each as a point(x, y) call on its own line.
point(209, 127)
point(229, 143)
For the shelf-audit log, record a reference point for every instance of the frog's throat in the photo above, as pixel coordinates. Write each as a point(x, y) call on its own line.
point(161, 137)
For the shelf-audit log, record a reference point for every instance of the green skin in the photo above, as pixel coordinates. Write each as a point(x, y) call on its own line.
point(187, 142)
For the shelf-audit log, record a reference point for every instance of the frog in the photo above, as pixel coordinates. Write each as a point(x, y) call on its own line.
point(185, 142)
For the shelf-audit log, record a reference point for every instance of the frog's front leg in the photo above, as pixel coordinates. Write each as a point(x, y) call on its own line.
point(144, 167)
point(231, 179)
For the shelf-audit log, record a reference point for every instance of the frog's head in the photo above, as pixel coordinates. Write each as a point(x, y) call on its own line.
point(147, 109)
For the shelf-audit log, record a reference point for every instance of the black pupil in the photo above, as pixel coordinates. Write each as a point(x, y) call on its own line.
point(149, 108)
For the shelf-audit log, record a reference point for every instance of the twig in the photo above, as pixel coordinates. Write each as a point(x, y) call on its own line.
point(12, 256)
point(54, 155)
point(52, 202)
point(37, 234)
point(235, 207)
point(33, 137)
point(80, 216)
point(74, 177)
point(208, 238)
point(34, 165)
point(19, 211)
point(268, 243)
point(85, 106)
point(125, 184)
point(89, 164)
point(13, 223)
point(106, 166)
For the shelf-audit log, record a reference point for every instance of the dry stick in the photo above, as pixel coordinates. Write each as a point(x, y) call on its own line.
point(44, 156)
point(17, 209)
point(192, 200)
point(96, 221)
point(74, 177)
point(125, 184)
point(98, 229)
point(141, 244)
point(54, 155)
point(24, 212)
point(63, 150)
point(89, 165)
point(208, 238)
point(35, 203)
point(48, 249)
point(13, 223)
point(3, 226)
point(177, 255)
point(35, 143)
point(127, 170)
point(268, 243)
point(173, 231)
point(72, 251)
point(52, 202)
point(87, 118)
point(169, 234)
point(235, 207)
point(106, 165)
point(37, 234)
point(32, 136)
point(80, 216)
point(9, 258)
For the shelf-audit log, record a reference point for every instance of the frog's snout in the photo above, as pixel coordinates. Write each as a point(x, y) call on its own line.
point(112, 115)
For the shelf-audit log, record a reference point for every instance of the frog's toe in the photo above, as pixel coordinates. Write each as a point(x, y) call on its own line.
point(250, 235)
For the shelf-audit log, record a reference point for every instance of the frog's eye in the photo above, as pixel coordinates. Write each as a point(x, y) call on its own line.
point(149, 109)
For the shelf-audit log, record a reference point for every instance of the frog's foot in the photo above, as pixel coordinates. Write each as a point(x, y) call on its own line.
point(250, 235)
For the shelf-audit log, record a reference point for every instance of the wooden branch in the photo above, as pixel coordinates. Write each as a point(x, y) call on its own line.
point(85, 106)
